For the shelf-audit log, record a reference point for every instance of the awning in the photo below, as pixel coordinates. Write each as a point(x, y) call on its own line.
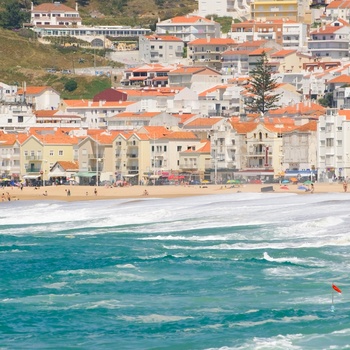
point(129, 175)
point(85, 174)
point(31, 176)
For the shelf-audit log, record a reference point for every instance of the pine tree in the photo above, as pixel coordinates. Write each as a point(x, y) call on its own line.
point(261, 86)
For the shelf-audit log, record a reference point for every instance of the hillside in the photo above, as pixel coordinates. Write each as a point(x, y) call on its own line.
point(124, 12)
point(25, 60)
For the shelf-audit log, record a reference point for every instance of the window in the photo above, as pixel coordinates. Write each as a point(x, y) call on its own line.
point(20, 119)
point(9, 121)
point(160, 47)
point(164, 148)
point(179, 148)
point(51, 152)
point(60, 153)
point(329, 142)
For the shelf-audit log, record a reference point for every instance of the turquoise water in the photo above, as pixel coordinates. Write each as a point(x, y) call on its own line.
point(234, 271)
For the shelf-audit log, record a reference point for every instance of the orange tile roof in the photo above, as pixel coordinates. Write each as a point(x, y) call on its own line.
point(243, 127)
point(212, 41)
point(33, 90)
point(283, 53)
point(203, 122)
point(218, 87)
point(66, 165)
point(136, 115)
point(163, 38)
point(338, 4)
point(180, 135)
point(190, 19)
point(345, 113)
point(53, 7)
point(259, 51)
point(326, 30)
point(53, 136)
point(342, 79)
point(300, 108)
point(46, 113)
point(156, 131)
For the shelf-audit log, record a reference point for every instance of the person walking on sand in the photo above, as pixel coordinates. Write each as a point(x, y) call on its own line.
point(345, 186)
point(312, 188)
point(95, 191)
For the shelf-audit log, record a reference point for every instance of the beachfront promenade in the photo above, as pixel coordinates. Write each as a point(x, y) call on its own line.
point(83, 193)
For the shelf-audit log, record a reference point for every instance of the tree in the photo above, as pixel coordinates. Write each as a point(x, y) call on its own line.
point(326, 100)
point(261, 85)
point(13, 15)
point(70, 85)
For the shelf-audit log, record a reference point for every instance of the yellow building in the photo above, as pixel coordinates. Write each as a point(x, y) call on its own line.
point(42, 149)
point(272, 9)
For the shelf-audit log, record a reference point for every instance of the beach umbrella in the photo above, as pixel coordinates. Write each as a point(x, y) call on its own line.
point(307, 182)
point(285, 181)
point(284, 188)
point(205, 181)
point(293, 179)
point(233, 181)
point(302, 188)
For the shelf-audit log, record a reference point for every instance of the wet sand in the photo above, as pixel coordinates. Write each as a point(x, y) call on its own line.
point(83, 193)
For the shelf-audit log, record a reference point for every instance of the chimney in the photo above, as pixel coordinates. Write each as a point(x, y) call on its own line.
point(31, 6)
point(76, 6)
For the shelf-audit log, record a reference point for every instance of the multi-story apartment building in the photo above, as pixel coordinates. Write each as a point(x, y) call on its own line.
point(207, 52)
point(189, 28)
point(160, 48)
point(330, 41)
point(338, 9)
point(219, 7)
point(333, 156)
point(285, 32)
point(272, 9)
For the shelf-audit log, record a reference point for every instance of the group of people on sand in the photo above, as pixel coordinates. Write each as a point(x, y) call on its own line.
point(5, 197)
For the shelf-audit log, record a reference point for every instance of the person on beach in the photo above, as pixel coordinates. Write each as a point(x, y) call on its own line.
point(145, 193)
point(345, 186)
point(95, 191)
point(312, 188)
point(3, 197)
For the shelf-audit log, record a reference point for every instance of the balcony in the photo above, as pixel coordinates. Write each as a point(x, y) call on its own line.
point(132, 155)
point(33, 170)
point(37, 158)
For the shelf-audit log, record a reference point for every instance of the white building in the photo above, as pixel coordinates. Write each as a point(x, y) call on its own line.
point(40, 97)
point(333, 154)
point(189, 28)
point(54, 14)
point(218, 7)
point(330, 41)
point(160, 48)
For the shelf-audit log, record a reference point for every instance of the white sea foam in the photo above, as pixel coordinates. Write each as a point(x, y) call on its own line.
point(154, 318)
point(57, 285)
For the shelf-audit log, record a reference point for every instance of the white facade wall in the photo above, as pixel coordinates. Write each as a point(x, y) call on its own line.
point(333, 134)
point(160, 50)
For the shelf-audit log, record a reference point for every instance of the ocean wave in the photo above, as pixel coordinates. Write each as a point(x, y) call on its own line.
point(154, 318)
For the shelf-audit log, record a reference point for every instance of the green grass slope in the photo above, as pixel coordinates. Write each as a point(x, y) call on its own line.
point(25, 60)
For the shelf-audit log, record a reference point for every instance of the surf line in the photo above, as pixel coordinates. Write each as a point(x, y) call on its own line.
point(338, 290)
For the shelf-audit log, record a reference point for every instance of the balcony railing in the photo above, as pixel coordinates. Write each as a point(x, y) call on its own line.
point(34, 157)
point(33, 170)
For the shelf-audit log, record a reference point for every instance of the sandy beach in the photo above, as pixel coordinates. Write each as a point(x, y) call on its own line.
point(83, 193)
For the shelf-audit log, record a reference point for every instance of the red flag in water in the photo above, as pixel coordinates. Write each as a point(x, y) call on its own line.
point(336, 288)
